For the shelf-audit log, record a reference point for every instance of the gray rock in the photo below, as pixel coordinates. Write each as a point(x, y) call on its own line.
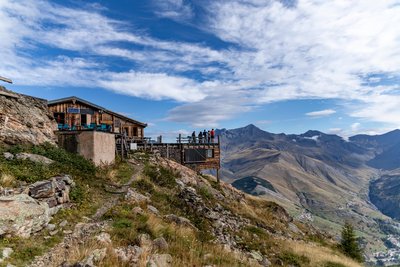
point(6, 253)
point(51, 201)
point(63, 223)
point(256, 255)
point(179, 220)
point(95, 257)
point(132, 195)
point(42, 189)
point(153, 209)
point(294, 228)
point(67, 232)
point(34, 158)
point(137, 210)
point(160, 243)
point(8, 156)
point(144, 241)
point(160, 260)
point(104, 238)
point(265, 262)
point(129, 254)
point(66, 179)
point(52, 233)
point(21, 215)
point(51, 227)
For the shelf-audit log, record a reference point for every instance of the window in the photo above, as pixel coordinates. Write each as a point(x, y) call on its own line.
point(83, 119)
point(60, 117)
point(210, 153)
point(135, 131)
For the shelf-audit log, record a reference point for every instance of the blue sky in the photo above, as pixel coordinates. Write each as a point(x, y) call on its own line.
point(284, 65)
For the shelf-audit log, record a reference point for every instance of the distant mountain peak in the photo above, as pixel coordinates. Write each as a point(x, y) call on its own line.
point(311, 133)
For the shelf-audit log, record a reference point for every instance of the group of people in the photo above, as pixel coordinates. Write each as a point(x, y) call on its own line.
point(203, 137)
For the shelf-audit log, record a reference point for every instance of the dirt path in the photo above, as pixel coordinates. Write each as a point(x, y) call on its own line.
point(83, 231)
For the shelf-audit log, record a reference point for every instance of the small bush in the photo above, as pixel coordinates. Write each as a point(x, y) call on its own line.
point(205, 193)
point(122, 223)
point(28, 253)
point(291, 258)
point(143, 186)
point(78, 194)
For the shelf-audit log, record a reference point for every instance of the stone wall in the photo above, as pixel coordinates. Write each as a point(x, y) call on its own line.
point(98, 147)
point(25, 119)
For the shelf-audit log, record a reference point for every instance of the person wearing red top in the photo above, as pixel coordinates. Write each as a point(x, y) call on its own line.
point(212, 135)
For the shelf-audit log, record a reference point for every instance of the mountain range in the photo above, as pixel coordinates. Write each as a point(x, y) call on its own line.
point(322, 177)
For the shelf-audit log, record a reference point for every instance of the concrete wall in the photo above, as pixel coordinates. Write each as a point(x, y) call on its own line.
point(98, 147)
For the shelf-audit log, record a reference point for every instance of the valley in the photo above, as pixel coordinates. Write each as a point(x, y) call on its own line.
point(330, 179)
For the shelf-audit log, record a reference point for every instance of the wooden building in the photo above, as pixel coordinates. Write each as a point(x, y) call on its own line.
point(75, 114)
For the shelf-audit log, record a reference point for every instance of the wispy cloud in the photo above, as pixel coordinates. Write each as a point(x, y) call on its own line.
point(281, 50)
point(321, 113)
point(174, 9)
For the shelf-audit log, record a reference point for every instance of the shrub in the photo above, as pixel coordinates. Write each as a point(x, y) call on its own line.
point(205, 193)
point(77, 194)
point(122, 223)
point(143, 185)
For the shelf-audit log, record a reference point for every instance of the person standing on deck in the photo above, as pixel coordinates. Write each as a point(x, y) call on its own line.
point(208, 136)
point(200, 137)
point(204, 136)
point(193, 137)
point(212, 135)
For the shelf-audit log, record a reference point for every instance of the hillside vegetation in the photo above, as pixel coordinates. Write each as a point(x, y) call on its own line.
point(149, 209)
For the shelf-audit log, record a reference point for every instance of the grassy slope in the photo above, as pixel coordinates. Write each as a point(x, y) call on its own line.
point(187, 246)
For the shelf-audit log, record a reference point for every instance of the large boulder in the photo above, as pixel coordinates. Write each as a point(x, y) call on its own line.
point(21, 215)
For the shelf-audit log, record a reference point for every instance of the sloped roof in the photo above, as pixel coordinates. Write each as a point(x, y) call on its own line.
point(77, 99)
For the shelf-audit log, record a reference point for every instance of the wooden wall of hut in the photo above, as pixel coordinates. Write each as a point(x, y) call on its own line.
point(118, 124)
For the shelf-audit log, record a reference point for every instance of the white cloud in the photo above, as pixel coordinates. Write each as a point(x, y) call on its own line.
point(281, 50)
point(355, 126)
point(321, 113)
point(174, 9)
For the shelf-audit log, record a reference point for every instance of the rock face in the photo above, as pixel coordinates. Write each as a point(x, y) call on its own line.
point(22, 215)
point(54, 191)
point(25, 119)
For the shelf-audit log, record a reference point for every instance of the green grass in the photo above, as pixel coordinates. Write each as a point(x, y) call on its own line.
point(291, 258)
point(143, 185)
point(333, 264)
point(86, 196)
point(205, 193)
point(161, 176)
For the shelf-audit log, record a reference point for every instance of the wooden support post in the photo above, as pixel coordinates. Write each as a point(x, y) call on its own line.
point(180, 138)
point(217, 175)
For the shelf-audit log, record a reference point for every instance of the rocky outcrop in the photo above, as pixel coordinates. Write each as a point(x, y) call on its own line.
point(54, 191)
point(34, 158)
point(25, 119)
point(21, 215)
point(26, 210)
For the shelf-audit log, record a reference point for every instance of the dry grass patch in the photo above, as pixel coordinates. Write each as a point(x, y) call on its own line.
point(319, 255)
point(7, 180)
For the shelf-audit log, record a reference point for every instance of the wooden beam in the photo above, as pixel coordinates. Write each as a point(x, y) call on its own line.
point(4, 79)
